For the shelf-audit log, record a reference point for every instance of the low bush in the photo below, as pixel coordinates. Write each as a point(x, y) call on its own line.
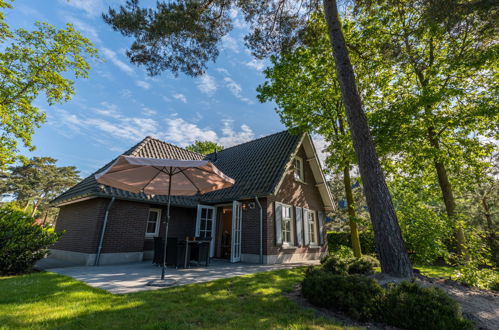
point(22, 241)
point(335, 265)
point(411, 306)
point(482, 278)
point(356, 295)
point(364, 265)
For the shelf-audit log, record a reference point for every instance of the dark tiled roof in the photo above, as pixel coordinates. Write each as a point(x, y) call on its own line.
point(257, 166)
point(149, 147)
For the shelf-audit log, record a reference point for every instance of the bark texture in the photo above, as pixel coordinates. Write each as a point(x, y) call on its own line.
point(354, 232)
point(389, 244)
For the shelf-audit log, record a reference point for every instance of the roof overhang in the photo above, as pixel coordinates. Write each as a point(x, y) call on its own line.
point(313, 161)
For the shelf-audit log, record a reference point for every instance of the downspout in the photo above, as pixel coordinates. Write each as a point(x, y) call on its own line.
point(261, 229)
point(103, 231)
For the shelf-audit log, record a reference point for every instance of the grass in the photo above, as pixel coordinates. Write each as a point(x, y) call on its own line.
point(47, 300)
point(436, 271)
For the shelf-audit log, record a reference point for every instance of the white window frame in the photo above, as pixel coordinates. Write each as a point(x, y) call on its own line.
point(298, 170)
point(158, 222)
point(312, 230)
point(291, 219)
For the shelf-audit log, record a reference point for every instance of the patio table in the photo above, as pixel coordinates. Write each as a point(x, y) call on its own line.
point(187, 254)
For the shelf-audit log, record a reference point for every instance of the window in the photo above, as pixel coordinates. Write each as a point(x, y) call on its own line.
point(206, 222)
point(287, 225)
point(153, 221)
point(312, 227)
point(299, 169)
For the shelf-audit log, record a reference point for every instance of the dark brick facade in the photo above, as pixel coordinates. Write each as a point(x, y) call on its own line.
point(250, 229)
point(294, 193)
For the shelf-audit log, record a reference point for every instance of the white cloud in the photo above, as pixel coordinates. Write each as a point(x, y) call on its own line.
point(88, 30)
point(207, 84)
point(256, 64)
point(230, 43)
point(320, 146)
point(181, 97)
point(90, 7)
point(143, 84)
point(148, 111)
point(108, 109)
point(113, 57)
point(183, 133)
point(236, 89)
point(166, 99)
point(223, 71)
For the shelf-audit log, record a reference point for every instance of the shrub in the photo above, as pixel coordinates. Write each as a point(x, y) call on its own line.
point(337, 239)
point(356, 295)
point(363, 265)
point(411, 306)
point(471, 275)
point(22, 241)
point(335, 265)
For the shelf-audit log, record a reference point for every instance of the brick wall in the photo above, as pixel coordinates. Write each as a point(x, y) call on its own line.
point(250, 233)
point(293, 193)
point(81, 223)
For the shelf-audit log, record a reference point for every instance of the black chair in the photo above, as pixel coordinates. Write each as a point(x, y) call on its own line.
point(171, 251)
point(201, 250)
point(182, 251)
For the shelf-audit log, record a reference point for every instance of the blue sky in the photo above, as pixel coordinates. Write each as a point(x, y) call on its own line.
point(119, 104)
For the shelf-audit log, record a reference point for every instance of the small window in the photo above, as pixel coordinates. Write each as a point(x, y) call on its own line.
point(287, 226)
point(312, 227)
point(299, 169)
point(153, 222)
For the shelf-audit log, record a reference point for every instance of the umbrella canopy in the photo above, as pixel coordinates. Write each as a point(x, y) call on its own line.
point(152, 176)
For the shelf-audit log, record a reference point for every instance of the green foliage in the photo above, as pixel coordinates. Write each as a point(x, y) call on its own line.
point(204, 147)
point(32, 63)
point(37, 181)
point(484, 278)
point(23, 241)
point(364, 265)
point(338, 239)
point(335, 265)
point(356, 295)
point(410, 306)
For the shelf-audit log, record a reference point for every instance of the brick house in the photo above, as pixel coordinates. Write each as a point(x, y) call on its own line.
point(274, 213)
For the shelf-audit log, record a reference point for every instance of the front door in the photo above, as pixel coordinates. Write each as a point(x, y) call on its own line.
point(237, 214)
point(205, 225)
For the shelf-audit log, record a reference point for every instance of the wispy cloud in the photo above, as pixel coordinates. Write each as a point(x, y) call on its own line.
point(181, 97)
point(230, 43)
point(207, 84)
point(90, 7)
point(113, 57)
point(236, 89)
point(87, 30)
point(143, 84)
point(256, 64)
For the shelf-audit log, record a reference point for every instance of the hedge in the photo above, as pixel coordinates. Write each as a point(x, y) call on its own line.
point(336, 239)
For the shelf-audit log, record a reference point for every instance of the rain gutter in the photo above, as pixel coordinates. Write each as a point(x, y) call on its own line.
point(103, 231)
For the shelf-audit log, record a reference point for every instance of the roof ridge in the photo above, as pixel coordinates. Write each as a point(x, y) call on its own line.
point(250, 141)
point(173, 145)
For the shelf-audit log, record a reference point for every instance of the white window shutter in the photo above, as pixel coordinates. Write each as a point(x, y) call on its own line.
point(198, 220)
point(322, 233)
point(299, 225)
point(306, 227)
point(278, 222)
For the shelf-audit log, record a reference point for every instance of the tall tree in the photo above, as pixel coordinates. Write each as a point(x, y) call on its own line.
point(304, 85)
point(32, 63)
point(204, 147)
point(443, 91)
point(37, 181)
point(183, 35)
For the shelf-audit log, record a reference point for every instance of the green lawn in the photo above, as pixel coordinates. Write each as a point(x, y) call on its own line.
point(48, 300)
point(436, 271)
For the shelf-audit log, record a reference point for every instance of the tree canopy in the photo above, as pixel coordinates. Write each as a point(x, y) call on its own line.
point(32, 63)
point(204, 147)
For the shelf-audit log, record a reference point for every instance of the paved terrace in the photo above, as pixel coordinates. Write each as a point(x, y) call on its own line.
point(127, 278)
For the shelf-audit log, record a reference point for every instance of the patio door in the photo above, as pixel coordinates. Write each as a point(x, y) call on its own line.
point(237, 214)
point(205, 225)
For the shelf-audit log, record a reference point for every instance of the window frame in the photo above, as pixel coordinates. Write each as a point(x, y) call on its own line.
point(299, 172)
point(291, 220)
point(312, 229)
point(158, 223)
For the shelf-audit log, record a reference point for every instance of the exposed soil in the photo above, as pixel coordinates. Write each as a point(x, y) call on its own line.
point(479, 306)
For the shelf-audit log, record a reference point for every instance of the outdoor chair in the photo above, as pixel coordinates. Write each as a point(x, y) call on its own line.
point(171, 251)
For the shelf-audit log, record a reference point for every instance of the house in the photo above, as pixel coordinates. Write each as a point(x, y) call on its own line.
point(274, 213)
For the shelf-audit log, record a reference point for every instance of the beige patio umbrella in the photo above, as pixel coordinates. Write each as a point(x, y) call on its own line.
point(169, 177)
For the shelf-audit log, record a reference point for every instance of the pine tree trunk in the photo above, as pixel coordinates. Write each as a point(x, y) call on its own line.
point(447, 193)
point(354, 232)
point(389, 244)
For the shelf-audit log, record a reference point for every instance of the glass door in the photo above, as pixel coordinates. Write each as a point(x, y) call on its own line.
point(237, 214)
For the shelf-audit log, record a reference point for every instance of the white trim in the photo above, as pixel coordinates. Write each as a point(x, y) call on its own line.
point(213, 225)
point(316, 226)
point(299, 173)
point(235, 242)
point(158, 222)
point(288, 245)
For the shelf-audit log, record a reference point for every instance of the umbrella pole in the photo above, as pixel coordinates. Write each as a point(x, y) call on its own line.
point(163, 268)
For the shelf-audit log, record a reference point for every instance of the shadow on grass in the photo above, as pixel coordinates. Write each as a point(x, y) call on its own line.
point(47, 300)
